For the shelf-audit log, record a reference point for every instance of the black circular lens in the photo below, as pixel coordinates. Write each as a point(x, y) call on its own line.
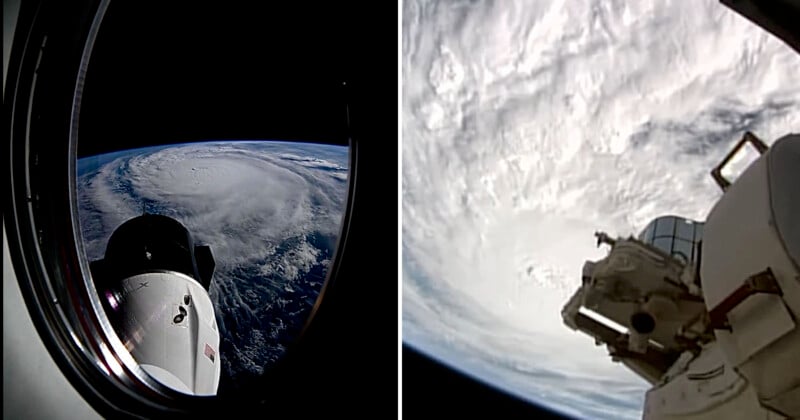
point(643, 323)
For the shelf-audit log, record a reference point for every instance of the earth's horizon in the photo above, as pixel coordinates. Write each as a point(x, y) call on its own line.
point(270, 211)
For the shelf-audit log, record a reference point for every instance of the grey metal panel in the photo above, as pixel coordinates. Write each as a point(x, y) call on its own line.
point(784, 190)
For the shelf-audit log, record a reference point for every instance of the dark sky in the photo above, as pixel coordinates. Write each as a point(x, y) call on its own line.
point(171, 72)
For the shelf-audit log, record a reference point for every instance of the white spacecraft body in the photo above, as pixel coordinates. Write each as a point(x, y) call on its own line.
point(171, 331)
point(155, 284)
point(710, 309)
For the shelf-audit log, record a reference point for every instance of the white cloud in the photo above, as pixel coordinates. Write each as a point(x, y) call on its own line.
point(528, 126)
point(261, 209)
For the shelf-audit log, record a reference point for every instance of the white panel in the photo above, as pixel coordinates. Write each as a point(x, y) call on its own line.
point(166, 378)
point(760, 321)
point(789, 401)
point(33, 385)
point(736, 236)
point(741, 240)
point(151, 304)
point(705, 384)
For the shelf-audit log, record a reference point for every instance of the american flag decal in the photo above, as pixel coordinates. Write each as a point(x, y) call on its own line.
point(209, 352)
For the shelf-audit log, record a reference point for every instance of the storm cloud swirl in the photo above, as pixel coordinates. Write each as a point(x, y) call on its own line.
point(527, 126)
point(270, 211)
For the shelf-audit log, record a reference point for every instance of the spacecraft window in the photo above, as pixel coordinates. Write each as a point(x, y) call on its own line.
point(682, 249)
point(697, 254)
point(664, 244)
point(266, 183)
point(698, 232)
point(684, 230)
point(665, 226)
point(647, 234)
point(260, 177)
point(675, 236)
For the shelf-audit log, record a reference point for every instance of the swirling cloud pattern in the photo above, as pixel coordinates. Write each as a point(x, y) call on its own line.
point(270, 211)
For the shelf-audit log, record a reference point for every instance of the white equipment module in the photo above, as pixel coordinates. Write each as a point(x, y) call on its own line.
point(712, 308)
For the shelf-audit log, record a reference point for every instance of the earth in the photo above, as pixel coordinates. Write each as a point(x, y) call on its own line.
point(270, 211)
point(528, 126)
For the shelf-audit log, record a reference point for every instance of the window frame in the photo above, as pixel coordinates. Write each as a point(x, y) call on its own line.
point(49, 59)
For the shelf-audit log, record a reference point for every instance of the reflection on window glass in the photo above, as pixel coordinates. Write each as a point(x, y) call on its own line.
point(682, 249)
point(684, 229)
point(696, 253)
point(665, 226)
point(698, 232)
point(647, 234)
point(269, 211)
point(664, 244)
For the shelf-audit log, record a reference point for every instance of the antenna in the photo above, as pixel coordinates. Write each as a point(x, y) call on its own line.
point(346, 108)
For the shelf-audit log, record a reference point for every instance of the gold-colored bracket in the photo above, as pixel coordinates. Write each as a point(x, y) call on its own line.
point(763, 282)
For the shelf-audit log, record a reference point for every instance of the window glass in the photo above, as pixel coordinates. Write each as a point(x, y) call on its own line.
point(232, 173)
point(664, 244)
point(647, 233)
point(665, 226)
point(682, 250)
point(698, 231)
point(684, 229)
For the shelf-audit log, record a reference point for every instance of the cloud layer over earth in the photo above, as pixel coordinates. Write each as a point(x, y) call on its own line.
point(270, 211)
point(529, 125)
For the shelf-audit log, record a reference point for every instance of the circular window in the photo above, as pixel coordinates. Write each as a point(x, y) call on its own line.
point(176, 214)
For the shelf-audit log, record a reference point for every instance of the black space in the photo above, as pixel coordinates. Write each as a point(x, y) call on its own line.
point(172, 72)
point(431, 389)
